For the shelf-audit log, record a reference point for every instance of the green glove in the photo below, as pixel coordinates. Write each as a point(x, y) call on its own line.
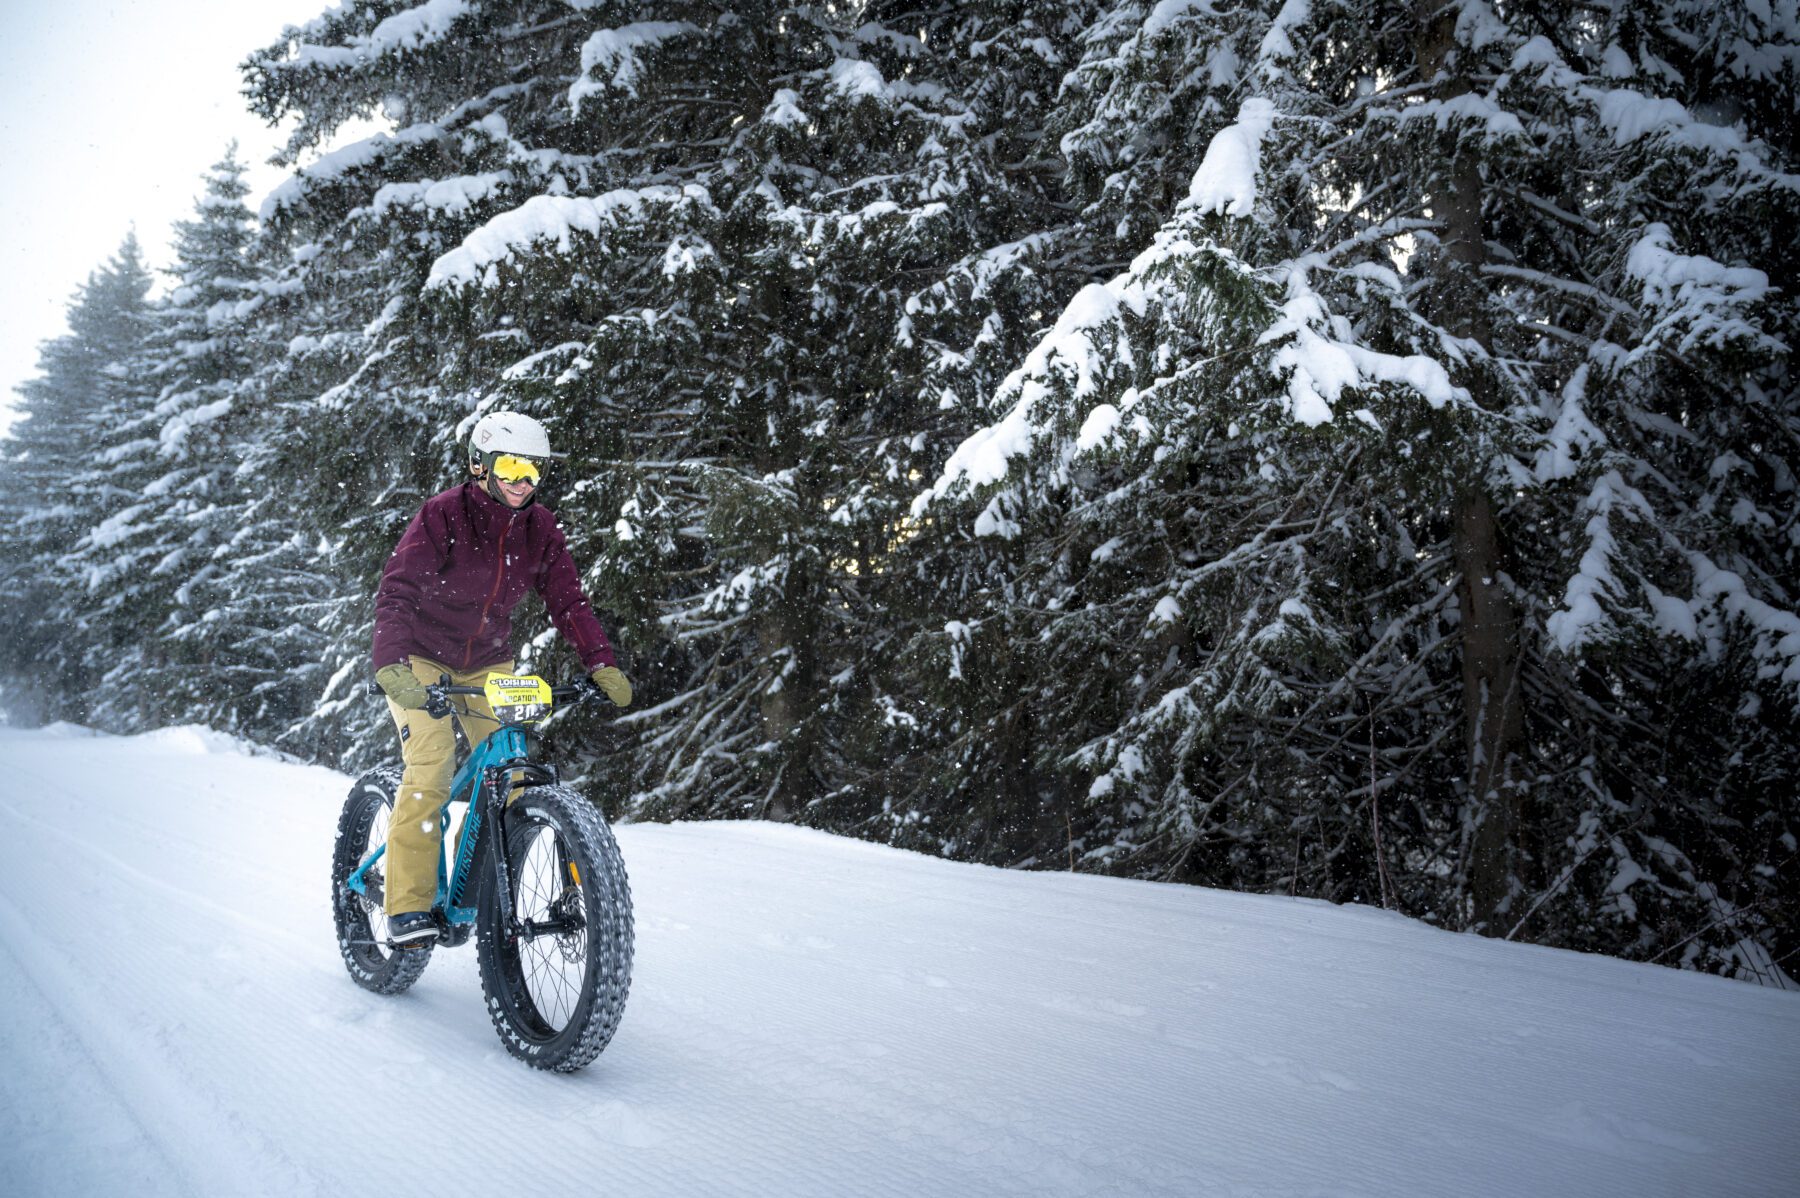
point(402, 686)
point(612, 680)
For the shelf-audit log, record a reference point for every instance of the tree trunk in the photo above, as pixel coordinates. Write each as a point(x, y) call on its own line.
point(781, 713)
point(1492, 702)
point(1493, 708)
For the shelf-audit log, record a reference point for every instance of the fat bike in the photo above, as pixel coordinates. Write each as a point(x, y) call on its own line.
point(537, 880)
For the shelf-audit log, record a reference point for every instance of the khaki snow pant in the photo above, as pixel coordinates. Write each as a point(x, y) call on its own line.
point(428, 749)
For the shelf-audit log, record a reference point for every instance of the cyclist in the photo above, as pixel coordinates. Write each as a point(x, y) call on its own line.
point(444, 606)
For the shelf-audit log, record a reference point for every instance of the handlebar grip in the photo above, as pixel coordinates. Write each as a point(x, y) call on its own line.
point(574, 690)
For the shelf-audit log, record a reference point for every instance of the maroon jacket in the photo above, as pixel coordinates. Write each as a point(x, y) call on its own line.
point(461, 567)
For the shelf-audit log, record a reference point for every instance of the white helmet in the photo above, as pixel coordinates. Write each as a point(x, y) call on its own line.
point(508, 432)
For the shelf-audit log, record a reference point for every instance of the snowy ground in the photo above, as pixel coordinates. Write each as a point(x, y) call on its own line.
point(817, 1016)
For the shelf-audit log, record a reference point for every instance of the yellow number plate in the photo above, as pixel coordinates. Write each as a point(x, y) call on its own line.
point(518, 698)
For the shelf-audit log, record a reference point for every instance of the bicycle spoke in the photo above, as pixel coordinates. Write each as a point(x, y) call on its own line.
point(377, 911)
point(532, 883)
point(552, 967)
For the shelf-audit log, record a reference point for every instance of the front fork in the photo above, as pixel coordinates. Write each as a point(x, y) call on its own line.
point(499, 784)
point(559, 923)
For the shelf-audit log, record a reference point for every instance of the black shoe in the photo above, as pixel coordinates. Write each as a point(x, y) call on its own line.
point(414, 929)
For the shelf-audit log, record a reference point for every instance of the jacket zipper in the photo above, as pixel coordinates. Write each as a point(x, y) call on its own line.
point(499, 574)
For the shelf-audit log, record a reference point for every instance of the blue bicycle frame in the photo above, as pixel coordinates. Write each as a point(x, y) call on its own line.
point(501, 753)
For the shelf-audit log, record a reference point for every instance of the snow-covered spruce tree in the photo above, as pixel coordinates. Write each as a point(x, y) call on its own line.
point(1700, 869)
point(739, 365)
point(1035, 665)
point(155, 565)
point(279, 600)
point(244, 637)
point(874, 221)
point(1389, 495)
point(56, 466)
point(487, 145)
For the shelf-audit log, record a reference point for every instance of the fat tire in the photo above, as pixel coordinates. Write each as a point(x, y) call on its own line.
point(371, 966)
point(581, 836)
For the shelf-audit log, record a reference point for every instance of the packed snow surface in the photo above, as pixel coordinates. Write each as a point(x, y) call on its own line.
point(818, 1016)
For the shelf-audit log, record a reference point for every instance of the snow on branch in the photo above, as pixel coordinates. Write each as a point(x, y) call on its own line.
point(1693, 300)
point(1073, 353)
point(1582, 619)
point(452, 196)
point(1573, 436)
point(784, 110)
point(176, 431)
point(554, 219)
point(1321, 364)
point(1632, 116)
point(872, 34)
point(1635, 119)
point(1278, 44)
point(1721, 594)
point(613, 53)
point(358, 155)
point(853, 78)
point(1226, 180)
point(413, 29)
point(1467, 110)
point(416, 27)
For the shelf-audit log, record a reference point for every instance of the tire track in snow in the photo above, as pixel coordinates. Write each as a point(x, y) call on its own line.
point(86, 850)
point(154, 998)
point(888, 1036)
point(43, 1103)
point(183, 1126)
point(121, 812)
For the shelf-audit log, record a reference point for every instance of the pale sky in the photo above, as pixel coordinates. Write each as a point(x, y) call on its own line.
point(110, 112)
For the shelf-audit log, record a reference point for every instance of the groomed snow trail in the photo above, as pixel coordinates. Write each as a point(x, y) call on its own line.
point(817, 1016)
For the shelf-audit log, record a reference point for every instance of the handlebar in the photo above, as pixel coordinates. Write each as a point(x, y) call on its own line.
point(575, 693)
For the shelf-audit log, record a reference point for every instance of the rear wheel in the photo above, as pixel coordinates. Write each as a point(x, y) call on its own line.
point(362, 925)
point(556, 980)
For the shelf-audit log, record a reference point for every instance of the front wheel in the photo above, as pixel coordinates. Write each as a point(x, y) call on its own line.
point(362, 926)
point(556, 978)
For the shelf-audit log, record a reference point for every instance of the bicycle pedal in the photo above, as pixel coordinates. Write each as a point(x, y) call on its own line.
point(413, 930)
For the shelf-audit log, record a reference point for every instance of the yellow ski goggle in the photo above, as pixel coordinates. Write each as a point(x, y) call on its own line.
point(511, 469)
